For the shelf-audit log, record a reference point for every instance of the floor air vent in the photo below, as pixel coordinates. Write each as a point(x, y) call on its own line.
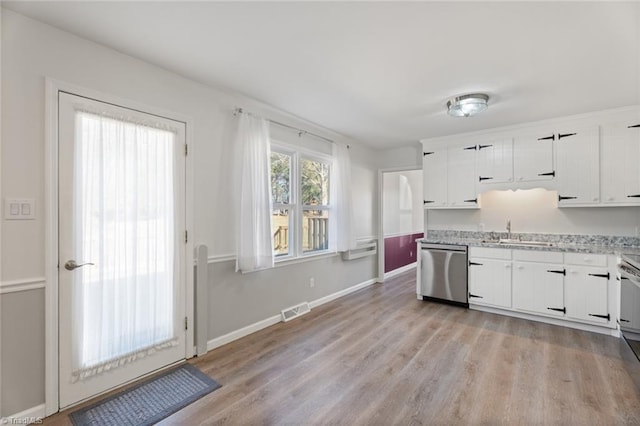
point(295, 311)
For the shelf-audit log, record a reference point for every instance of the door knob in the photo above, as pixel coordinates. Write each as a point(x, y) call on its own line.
point(71, 265)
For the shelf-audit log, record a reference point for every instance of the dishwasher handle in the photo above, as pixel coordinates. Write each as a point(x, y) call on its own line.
point(444, 248)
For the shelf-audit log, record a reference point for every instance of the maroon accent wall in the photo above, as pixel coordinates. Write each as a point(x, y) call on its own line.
point(400, 251)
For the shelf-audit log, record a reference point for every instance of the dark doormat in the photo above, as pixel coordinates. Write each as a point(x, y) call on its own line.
point(150, 401)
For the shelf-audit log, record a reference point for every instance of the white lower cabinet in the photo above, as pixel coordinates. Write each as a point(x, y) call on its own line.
point(539, 288)
point(490, 277)
point(630, 305)
point(570, 286)
point(587, 294)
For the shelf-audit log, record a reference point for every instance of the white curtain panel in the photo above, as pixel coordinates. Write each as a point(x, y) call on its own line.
point(343, 229)
point(124, 224)
point(253, 205)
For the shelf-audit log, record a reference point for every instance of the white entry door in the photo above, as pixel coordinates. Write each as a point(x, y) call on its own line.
point(121, 245)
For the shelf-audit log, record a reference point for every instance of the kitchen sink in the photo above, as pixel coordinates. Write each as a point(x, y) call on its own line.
point(525, 243)
point(508, 241)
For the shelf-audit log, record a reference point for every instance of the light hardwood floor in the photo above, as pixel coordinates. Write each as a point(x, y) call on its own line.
point(381, 357)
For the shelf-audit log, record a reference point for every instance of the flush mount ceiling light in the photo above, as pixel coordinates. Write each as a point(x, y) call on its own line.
point(467, 105)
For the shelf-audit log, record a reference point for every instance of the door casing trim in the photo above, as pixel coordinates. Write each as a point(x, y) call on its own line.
point(381, 173)
point(52, 87)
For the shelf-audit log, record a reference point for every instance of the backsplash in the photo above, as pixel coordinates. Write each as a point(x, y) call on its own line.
point(577, 239)
point(535, 211)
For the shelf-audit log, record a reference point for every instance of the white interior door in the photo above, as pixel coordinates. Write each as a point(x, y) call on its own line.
point(121, 245)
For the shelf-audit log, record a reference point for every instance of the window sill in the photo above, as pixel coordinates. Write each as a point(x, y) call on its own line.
point(278, 263)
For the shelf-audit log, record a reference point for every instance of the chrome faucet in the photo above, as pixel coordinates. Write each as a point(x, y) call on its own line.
point(509, 229)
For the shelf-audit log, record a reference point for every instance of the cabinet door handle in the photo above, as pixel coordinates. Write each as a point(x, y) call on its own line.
point(548, 138)
point(474, 147)
point(607, 317)
point(424, 154)
point(474, 263)
point(563, 272)
point(563, 310)
point(474, 295)
point(481, 178)
point(633, 196)
point(553, 173)
point(475, 200)
point(484, 146)
point(428, 201)
point(635, 126)
point(561, 197)
point(623, 320)
point(601, 275)
point(565, 135)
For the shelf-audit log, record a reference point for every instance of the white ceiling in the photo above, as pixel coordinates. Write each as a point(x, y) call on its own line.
point(382, 72)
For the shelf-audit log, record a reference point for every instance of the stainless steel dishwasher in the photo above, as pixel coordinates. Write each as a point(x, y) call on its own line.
point(443, 273)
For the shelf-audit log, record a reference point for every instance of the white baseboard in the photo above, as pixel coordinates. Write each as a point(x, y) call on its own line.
point(242, 332)
point(341, 293)
point(555, 321)
point(400, 270)
point(31, 415)
point(267, 322)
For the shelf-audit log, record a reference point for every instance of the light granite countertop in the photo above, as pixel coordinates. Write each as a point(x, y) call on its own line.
point(596, 244)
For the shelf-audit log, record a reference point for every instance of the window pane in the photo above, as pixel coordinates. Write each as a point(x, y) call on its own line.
point(280, 232)
point(315, 182)
point(315, 230)
point(280, 177)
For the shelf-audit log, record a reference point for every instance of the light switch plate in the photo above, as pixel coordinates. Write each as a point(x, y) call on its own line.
point(19, 208)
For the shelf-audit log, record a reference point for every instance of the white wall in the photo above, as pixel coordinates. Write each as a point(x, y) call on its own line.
point(406, 157)
point(638, 44)
point(400, 215)
point(32, 51)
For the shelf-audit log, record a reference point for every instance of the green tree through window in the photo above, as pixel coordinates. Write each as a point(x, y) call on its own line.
point(280, 177)
point(315, 182)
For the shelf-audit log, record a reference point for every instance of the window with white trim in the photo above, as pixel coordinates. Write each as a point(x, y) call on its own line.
point(300, 184)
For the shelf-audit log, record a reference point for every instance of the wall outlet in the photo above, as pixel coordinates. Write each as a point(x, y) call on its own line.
point(481, 227)
point(637, 231)
point(312, 282)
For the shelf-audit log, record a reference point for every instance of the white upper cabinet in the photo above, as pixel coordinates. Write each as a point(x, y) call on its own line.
point(434, 173)
point(533, 157)
point(621, 162)
point(450, 177)
point(578, 166)
point(462, 177)
point(590, 160)
point(495, 162)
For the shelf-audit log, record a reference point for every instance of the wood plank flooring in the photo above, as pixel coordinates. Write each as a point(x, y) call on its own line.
point(381, 357)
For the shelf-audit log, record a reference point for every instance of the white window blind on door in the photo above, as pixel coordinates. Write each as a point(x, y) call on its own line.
point(125, 225)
